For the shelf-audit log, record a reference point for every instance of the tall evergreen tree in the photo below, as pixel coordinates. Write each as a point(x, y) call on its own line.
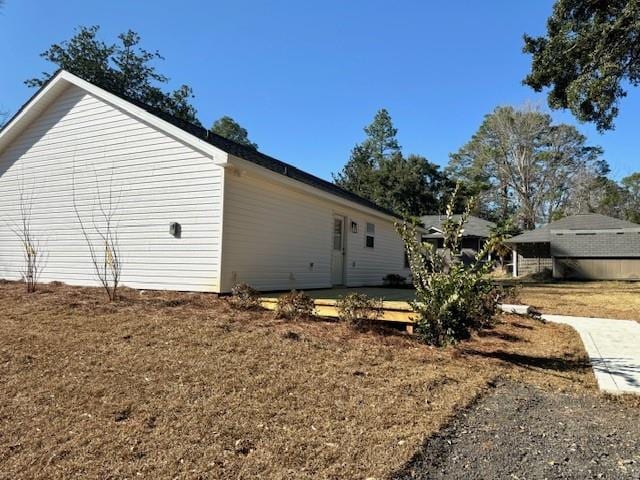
point(228, 128)
point(359, 175)
point(378, 171)
point(411, 185)
point(381, 137)
point(123, 67)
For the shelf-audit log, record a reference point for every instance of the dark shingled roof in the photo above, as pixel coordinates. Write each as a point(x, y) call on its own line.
point(582, 221)
point(475, 227)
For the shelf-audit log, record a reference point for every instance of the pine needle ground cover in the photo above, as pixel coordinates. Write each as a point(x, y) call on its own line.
point(590, 299)
point(174, 385)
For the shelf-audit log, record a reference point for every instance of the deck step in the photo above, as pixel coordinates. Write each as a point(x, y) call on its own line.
point(391, 311)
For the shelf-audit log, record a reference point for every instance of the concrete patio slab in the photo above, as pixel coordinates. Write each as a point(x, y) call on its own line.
point(613, 347)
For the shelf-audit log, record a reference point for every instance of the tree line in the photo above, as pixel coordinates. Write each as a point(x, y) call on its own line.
point(127, 69)
point(521, 166)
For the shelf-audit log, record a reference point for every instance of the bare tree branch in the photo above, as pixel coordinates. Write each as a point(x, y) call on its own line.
point(31, 246)
point(105, 249)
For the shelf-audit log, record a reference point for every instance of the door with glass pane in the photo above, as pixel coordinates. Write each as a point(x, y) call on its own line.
point(337, 251)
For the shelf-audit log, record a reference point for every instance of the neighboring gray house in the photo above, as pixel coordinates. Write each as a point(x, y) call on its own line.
point(476, 231)
point(585, 246)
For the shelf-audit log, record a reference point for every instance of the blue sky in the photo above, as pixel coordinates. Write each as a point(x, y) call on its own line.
point(305, 77)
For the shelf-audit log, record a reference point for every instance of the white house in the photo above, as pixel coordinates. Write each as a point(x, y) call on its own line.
point(242, 216)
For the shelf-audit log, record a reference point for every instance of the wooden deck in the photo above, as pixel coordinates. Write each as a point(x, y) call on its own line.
point(392, 311)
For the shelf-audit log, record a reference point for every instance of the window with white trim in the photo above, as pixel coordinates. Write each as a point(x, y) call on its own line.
point(369, 241)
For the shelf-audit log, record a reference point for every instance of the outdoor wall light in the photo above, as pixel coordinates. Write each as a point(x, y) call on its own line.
point(175, 229)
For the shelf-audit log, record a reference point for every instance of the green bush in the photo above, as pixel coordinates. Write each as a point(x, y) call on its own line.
point(357, 308)
point(394, 280)
point(244, 297)
point(508, 293)
point(295, 306)
point(451, 299)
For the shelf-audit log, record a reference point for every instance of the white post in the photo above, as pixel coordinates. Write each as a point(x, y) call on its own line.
point(515, 261)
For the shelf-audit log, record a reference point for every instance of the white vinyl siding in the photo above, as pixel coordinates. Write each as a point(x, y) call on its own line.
point(155, 178)
point(367, 266)
point(276, 237)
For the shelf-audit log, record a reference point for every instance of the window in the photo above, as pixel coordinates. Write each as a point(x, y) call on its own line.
point(354, 227)
point(370, 237)
point(469, 243)
point(406, 260)
point(337, 234)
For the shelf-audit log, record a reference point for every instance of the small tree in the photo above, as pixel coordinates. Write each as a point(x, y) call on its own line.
point(31, 245)
point(102, 239)
point(496, 241)
point(451, 299)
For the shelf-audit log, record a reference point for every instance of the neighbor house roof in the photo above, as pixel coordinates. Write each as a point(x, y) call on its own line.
point(230, 147)
point(475, 227)
point(584, 222)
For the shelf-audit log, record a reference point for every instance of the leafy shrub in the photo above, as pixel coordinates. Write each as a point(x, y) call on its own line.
point(295, 306)
point(508, 293)
point(543, 275)
point(394, 280)
point(244, 297)
point(357, 308)
point(452, 298)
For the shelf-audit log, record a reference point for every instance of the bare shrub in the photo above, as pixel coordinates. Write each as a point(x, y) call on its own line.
point(358, 308)
point(295, 305)
point(244, 297)
point(101, 236)
point(31, 246)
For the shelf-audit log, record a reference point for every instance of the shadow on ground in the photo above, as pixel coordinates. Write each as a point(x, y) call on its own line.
point(531, 361)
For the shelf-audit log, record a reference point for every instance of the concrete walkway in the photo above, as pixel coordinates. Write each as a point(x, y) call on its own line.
point(614, 350)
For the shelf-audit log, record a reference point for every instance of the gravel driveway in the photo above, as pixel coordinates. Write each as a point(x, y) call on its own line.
point(520, 432)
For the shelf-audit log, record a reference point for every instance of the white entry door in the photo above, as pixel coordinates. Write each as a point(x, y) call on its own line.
point(337, 251)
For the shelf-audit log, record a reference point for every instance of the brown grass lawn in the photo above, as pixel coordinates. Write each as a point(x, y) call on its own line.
point(169, 385)
point(590, 299)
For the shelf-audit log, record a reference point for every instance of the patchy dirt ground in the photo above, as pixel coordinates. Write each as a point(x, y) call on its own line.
point(519, 431)
point(590, 299)
point(171, 385)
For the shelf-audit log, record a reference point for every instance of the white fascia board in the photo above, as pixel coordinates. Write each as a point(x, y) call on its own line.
point(36, 104)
